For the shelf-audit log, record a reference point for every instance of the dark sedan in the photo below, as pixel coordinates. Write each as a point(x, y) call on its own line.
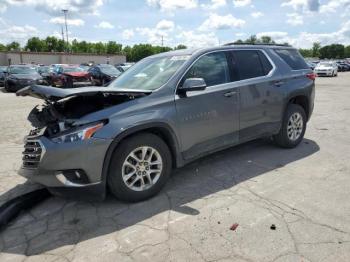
point(103, 74)
point(3, 70)
point(19, 76)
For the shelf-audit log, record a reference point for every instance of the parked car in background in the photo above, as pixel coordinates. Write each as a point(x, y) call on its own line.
point(327, 68)
point(19, 76)
point(124, 66)
point(103, 74)
point(166, 111)
point(311, 65)
point(343, 67)
point(45, 72)
point(3, 70)
point(69, 76)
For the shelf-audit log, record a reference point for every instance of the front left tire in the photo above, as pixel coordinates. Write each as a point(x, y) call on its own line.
point(139, 167)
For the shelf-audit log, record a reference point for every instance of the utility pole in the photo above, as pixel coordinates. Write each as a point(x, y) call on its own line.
point(65, 11)
point(162, 41)
point(62, 33)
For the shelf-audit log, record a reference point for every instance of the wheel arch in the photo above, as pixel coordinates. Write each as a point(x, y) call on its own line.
point(162, 130)
point(303, 101)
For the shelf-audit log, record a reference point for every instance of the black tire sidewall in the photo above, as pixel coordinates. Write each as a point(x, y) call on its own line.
point(114, 179)
point(282, 138)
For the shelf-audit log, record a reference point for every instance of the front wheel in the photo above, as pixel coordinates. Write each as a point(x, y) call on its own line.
point(139, 167)
point(293, 127)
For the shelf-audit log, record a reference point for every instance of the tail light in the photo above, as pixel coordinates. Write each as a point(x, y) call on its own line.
point(311, 76)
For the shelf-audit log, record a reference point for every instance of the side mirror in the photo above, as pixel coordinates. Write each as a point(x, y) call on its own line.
point(193, 84)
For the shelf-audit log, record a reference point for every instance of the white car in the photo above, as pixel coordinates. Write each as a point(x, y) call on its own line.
point(326, 69)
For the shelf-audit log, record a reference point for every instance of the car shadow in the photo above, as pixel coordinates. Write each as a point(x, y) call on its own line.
point(57, 223)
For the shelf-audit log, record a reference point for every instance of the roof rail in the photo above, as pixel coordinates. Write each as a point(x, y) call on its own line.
point(233, 43)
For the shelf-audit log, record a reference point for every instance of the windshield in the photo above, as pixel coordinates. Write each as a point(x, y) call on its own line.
point(150, 73)
point(109, 69)
point(22, 70)
point(72, 69)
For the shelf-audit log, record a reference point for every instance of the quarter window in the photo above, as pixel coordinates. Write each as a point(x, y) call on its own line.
point(213, 68)
point(292, 58)
point(251, 64)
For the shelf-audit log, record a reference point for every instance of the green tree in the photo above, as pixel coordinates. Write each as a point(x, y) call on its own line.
point(13, 46)
point(2, 47)
point(316, 49)
point(251, 40)
point(306, 52)
point(113, 48)
point(347, 52)
point(35, 44)
point(180, 47)
point(266, 40)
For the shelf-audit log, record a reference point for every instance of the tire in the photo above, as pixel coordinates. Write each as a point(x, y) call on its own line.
point(283, 138)
point(117, 169)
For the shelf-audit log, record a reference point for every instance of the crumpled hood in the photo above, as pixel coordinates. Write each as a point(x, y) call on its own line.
point(76, 74)
point(54, 94)
point(25, 76)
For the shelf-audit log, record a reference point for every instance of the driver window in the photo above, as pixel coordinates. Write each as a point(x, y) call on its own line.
point(213, 68)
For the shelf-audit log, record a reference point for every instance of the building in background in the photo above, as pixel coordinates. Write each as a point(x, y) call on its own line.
point(48, 58)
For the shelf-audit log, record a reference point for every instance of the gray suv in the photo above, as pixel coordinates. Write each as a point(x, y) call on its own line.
point(164, 112)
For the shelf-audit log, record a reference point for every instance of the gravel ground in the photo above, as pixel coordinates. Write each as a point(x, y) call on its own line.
point(304, 192)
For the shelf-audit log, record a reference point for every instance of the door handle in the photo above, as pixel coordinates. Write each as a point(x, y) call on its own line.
point(278, 83)
point(230, 94)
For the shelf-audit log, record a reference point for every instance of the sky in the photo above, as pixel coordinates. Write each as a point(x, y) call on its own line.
point(194, 23)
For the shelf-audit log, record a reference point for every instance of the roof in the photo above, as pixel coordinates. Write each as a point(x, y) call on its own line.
point(223, 47)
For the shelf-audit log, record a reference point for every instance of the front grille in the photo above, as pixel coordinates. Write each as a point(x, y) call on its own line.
point(32, 154)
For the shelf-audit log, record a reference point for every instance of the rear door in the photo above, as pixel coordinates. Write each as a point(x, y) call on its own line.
point(261, 94)
point(208, 119)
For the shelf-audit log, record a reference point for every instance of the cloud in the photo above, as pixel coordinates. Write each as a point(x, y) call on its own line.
point(165, 25)
point(303, 5)
point(72, 22)
point(295, 19)
point(333, 5)
point(17, 33)
point(257, 14)
point(217, 22)
point(241, 3)
point(55, 7)
point(172, 5)
point(306, 39)
point(194, 39)
point(128, 34)
point(214, 4)
point(104, 25)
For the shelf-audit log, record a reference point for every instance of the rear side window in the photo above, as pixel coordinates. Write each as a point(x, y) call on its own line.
point(292, 58)
point(213, 68)
point(251, 64)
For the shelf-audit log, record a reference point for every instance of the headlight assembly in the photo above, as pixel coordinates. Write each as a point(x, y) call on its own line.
point(81, 134)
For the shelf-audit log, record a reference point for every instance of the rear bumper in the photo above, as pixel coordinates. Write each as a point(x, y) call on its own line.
point(70, 169)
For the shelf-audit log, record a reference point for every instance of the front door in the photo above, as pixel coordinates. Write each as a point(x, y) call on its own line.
point(209, 119)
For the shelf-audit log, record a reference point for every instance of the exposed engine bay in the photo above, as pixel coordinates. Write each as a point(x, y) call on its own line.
point(58, 114)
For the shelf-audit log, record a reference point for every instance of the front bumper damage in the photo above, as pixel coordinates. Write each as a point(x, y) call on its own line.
point(66, 169)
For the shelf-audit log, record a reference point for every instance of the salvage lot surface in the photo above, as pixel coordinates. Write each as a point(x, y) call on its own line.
point(304, 192)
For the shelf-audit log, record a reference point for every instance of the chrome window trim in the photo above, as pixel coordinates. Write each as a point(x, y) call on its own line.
point(272, 71)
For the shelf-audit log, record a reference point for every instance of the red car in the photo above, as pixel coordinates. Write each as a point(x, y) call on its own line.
point(69, 76)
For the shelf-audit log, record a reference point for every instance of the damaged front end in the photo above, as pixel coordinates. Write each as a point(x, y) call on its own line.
point(63, 108)
point(61, 151)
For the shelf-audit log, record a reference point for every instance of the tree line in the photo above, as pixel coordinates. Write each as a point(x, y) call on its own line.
point(137, 52)
point(334, 51)
point(53, 44)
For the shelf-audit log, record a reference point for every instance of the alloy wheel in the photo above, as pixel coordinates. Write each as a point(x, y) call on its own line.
point(142, 168)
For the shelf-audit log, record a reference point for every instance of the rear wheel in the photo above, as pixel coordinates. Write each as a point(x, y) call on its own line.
point(293, 127)
point(139, 168)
